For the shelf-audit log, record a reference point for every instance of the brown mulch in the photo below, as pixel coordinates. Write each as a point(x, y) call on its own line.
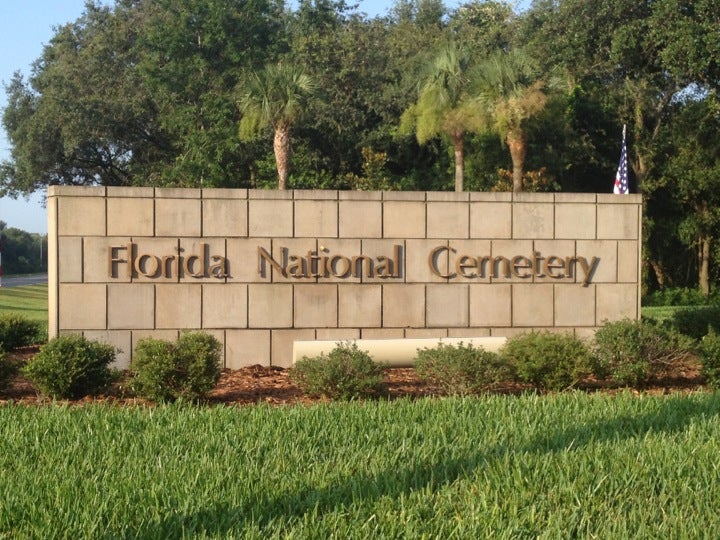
point(272, 385)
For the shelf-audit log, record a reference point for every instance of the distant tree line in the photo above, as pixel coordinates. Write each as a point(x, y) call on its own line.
point(22, 252)
point(249, 93)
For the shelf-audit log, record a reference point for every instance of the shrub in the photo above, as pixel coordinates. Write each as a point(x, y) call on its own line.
point(8, 368)
point(17, 331)
point(548, 361)
point(71, 366)
point(461, 369)
point(709, 351)
point(632, 352)
point(187, 369)
point(696, 321)
point(345, 372)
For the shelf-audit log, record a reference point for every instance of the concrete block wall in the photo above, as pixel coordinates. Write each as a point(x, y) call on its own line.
point(433, 255)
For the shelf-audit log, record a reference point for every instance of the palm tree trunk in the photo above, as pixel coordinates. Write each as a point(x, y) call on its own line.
point(459, 149)
point(518, 149)
point(281, 147)
point(704, 271)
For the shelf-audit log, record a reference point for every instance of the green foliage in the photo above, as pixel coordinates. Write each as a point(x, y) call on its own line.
point(187, 369)
point(709, 351)
point(8, 369)
point(71, 366)
point(631, 352)
point(461, 369)
point(548, 361)
point(679, 296)
point(345, 372)
point(18, 331)
point(23, 252)
point(696, 321)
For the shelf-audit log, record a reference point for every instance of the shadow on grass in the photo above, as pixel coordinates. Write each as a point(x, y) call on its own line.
point(673, 415)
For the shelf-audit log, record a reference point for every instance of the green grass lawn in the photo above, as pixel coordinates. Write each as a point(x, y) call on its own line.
point(30, 302)
point(560, 466)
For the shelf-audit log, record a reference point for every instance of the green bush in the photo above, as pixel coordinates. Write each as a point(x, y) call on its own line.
point(696, 321)
point(632, 352)
point(709, 351)
point(548, 361)
point(461, 369)
point(679, 296)
point(17, 331)
point(8, 369)
point(345, 372)
point(71, 366)
point(187, 369)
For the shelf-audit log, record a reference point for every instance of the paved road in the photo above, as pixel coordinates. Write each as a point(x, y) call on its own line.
point(19, 281)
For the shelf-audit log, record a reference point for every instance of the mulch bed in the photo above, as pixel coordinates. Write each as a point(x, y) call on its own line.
point(272, 385)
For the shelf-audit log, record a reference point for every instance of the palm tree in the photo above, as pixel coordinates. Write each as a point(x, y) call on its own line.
point(510, 94)
point(275, 97)
point(445, 106)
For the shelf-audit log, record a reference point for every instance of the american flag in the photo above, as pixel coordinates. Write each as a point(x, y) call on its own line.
point(621, 176)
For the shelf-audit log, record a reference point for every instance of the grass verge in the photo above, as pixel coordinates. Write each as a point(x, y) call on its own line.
point(30, 301)
point(560, 466)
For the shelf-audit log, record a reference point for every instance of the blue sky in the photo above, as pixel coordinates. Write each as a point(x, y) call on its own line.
point(25, 27)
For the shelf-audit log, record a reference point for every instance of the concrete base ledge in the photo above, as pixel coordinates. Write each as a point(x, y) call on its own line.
point(395, 352)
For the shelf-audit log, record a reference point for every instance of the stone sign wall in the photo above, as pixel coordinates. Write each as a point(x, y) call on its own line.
point(260, 269)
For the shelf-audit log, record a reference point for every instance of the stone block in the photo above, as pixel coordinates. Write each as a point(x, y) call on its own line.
point(356, 195)
point(490, 220)
point(178, 193)
point(490, 305)
point(178, 305)
point(553, 262)
point(338, 335)
point(340, 253)
point(76, 191)
point(533, 220)
point(446, 305)
point(404, 219)
point(491, 196)
point(359, 306)
point(606, 251)
point(96, 256)
point(81, 216)
point(575, 221)
point(426, 333)
point(382, 333)
point(316, 219)
point(244, 261)
point(204, 260)
point(131, 306)
point(618, 221)
point(157, 259)
point(404, 195)
point(130, 216)
point(468, 332)
point(315, 194)
point(224, 305)
point(315, 306)
point(423, 261)
point(532, 305)
point(404, 306)
point(270, 218)
point(468, 261)
point(247, 348)
point(224, 193)
point(628, 258)
point(120, 339)
point(225, 217)
point(282, 345)
point(616, 301)
point(360, 219)
point(136, 192)
point(387, 261)
point(574, 305)
point(82, 306)
point(504, 267)
point(70, 259)
point(178, 217)
point(270, 305)
point(448, 220)
point(448, 196)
